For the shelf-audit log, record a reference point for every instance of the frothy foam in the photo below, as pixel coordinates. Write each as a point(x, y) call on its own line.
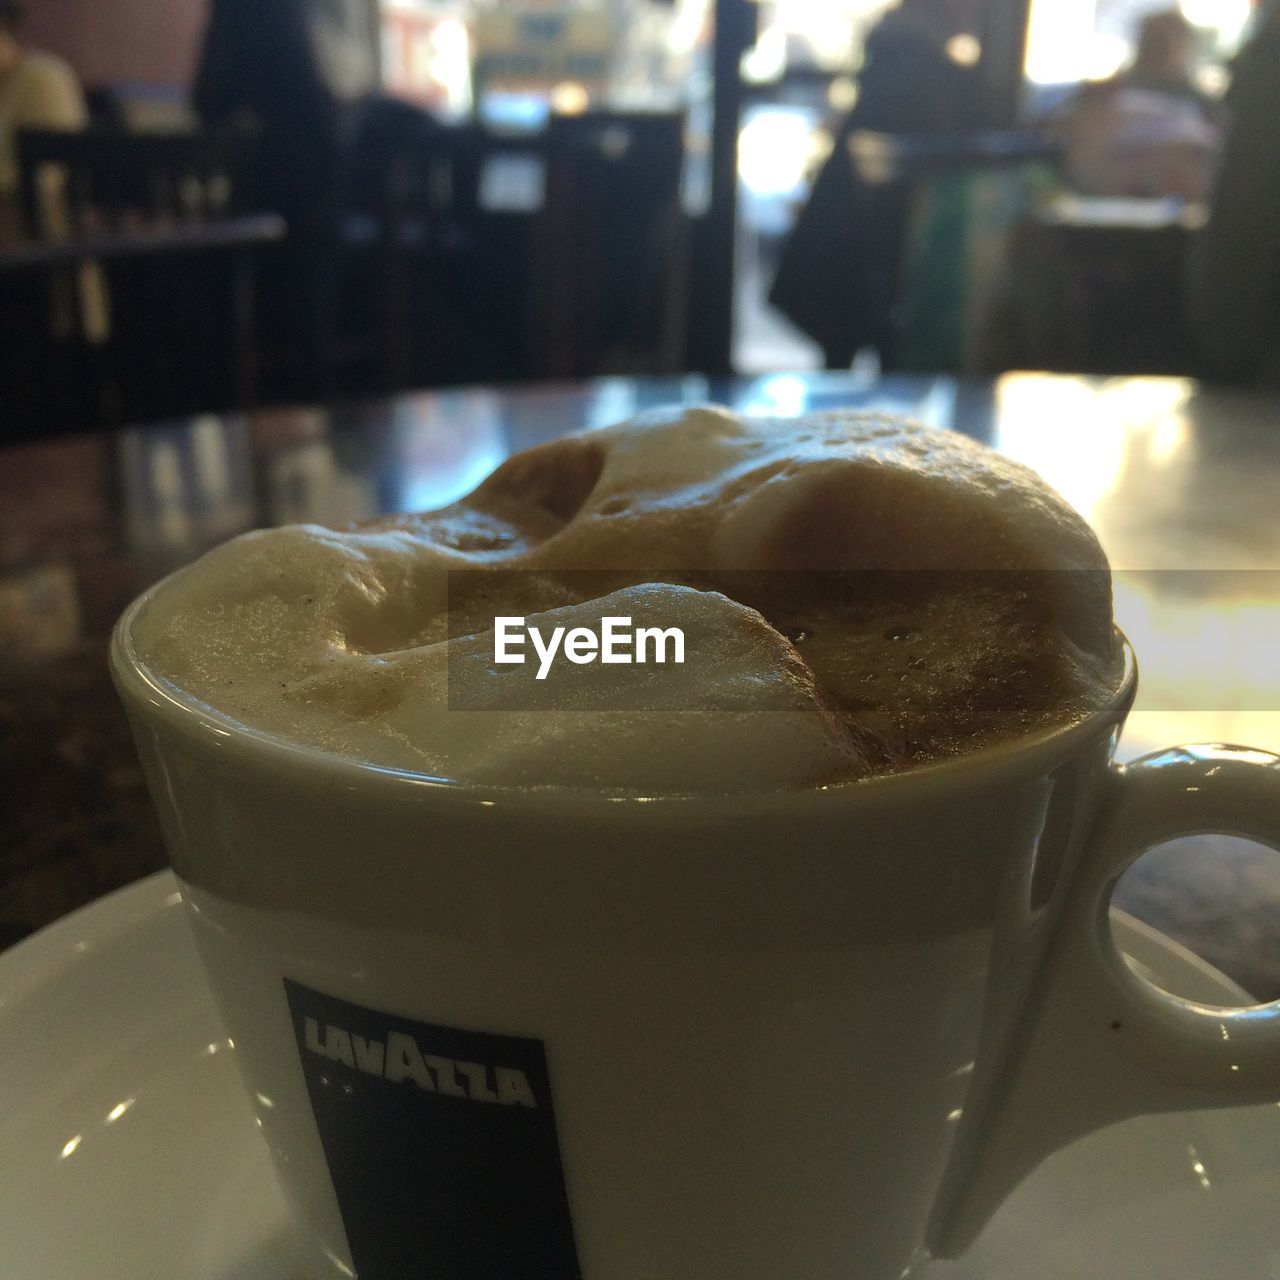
point(862, 594)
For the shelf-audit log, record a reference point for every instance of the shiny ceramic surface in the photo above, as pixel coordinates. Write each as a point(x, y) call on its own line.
point(127, 1151)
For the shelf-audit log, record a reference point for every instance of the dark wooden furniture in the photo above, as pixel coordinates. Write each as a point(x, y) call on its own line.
point(436, 266)
point(1179, 482)
point(612, 246)
point(1102, 286)
point(222, 233)
point(112, 180)
point(475, 255)
point(130, 293)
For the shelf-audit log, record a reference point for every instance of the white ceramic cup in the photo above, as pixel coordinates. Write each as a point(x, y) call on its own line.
point(499, 1034)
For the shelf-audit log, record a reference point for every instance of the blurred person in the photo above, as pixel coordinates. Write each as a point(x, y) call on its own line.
point(1235, 283)
point(909, 81)
point(1148, 131)
point(262, 71)
point(836, 277)
point(299, 77)
point(1164, 62)
point(37, 91)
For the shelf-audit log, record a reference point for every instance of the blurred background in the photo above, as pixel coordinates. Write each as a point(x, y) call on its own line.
point(210, 205)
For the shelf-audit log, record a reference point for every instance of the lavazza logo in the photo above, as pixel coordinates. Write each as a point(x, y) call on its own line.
point(399, 1060)
point(618, 641)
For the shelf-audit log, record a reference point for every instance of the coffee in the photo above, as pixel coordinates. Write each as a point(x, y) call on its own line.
point(863, 595)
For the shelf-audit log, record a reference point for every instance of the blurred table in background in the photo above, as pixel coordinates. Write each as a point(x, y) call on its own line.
point(880, 158)
point(233, 233)
point(1178, 479)
point(141, 286)
point(997, 268)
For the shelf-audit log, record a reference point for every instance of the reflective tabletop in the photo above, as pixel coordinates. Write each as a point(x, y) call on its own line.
point(1180, 481)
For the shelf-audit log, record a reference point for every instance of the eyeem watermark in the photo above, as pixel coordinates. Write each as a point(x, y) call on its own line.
point(618, 642)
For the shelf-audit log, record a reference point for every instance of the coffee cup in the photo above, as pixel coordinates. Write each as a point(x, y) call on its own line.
point(501, 1033)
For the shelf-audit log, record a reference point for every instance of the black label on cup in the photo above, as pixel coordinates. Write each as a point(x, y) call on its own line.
point(441, 1145)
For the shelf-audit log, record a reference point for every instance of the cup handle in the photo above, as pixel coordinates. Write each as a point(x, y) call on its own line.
point(1098, 1044)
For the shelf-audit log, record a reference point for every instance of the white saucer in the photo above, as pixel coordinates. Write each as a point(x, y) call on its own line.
point(127, 1152)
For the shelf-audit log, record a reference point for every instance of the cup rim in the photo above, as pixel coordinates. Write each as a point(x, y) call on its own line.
point(207, 728)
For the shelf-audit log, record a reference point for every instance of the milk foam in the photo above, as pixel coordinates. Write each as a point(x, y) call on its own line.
point(866, 593)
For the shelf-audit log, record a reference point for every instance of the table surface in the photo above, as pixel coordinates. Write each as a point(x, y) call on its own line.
point(1118, 216)
point(212, 235)
point(1180, 482)
point(898, 157)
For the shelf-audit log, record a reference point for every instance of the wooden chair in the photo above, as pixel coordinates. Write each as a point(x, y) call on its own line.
point(395, 240)
point(111, 180)
point(1102, 287)
point(585, 277)
point(137, 334)
point(611, 256)
point(442, 278)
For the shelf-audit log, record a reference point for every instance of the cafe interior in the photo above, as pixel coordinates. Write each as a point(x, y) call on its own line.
point(266, 262)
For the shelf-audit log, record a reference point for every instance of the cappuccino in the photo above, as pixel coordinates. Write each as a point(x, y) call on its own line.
point(854, 595)
point(684, 987)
